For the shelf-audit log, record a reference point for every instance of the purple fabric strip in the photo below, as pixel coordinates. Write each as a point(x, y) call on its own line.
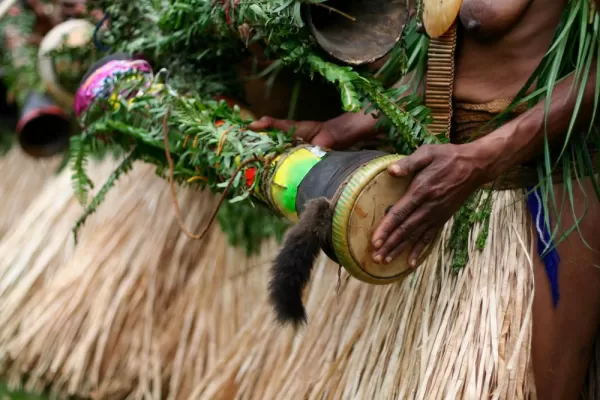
point(99, 83)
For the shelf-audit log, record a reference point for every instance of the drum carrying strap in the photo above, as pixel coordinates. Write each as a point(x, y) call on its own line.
point(438, 97)
point(440, 81)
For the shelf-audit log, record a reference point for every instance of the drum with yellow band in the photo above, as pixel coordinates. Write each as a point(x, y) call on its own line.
point(360, 191)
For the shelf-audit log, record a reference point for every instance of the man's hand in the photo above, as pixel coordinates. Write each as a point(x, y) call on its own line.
point(337, 133)
point(317, 133)
point(444, 177)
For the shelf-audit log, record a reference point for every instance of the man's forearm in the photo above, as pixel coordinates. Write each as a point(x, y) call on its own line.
point(521, 139)
point(351, 127)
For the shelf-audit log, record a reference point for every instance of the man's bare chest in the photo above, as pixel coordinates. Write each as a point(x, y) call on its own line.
point(492, 18)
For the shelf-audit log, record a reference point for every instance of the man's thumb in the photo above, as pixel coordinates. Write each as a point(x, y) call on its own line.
point(261, 124)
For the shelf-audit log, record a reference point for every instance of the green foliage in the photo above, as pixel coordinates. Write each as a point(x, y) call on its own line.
point(211, 37)
point(348, 81)
point(409, 55)
point(476, 210)
point(201, 42)
point(125, 166)
point(19, 59)
point(405, 118)
point(6, 393)
point(207, 140)
point(247, 225)
point(400, 110)
point(7, 140)
point(79, 156)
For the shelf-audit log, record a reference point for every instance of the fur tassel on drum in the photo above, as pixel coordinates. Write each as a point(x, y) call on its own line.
point(292, 267)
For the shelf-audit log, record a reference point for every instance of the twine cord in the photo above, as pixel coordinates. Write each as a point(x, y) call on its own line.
point(173, 190)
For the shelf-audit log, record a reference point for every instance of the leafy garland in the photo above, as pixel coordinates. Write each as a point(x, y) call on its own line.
point(206, 138)
point(215, 29)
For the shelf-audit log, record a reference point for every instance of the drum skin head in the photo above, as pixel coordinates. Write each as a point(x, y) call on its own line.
point(359, 209)
point(369, 209)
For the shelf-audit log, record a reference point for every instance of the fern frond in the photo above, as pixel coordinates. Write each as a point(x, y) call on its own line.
point(78, 158)
point(125, 166)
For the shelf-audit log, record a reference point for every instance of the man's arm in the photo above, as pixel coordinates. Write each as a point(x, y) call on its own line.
point(444, 176)
point(522, 138)
point(337, 133)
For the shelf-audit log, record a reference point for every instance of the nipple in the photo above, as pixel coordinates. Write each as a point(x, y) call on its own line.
point(472, 25)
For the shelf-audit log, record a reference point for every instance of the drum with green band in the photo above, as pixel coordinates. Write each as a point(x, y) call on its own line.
point(360, 191)
point(292, 168)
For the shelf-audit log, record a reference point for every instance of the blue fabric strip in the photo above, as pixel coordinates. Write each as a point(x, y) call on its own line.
point(551, 258)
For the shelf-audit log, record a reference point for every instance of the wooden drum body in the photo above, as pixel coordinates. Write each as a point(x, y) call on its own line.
point(360, 191)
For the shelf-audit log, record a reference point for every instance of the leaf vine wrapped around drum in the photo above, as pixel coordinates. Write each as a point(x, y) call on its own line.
point(336, 198)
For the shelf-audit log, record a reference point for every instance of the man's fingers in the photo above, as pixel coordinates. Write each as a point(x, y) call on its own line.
point(397, 215)
point(268, 122)
point(392, 220)
point(412, 164)
point(405, 244)
point(405, 233)
point(425, 240)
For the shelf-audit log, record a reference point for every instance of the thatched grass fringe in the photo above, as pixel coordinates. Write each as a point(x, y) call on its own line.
point(136, 310)
point(21, 181)
point(436, 335)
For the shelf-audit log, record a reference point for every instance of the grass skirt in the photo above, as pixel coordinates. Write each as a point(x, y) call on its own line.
point(21, 180)
point(136, 309)
point(437, 335)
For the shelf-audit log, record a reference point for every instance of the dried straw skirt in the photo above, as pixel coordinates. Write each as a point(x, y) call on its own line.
point(437, 335)
point(21, 178)
point(136, 309)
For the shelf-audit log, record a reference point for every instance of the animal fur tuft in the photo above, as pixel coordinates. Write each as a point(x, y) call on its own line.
point(291, 270)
